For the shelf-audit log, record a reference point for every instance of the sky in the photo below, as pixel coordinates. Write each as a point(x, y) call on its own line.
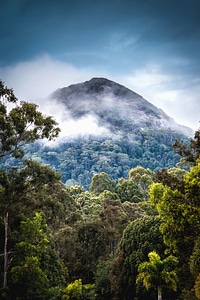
point(150, 46)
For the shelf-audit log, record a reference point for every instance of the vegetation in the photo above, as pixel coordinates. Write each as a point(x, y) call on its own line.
point(114, 240)
point(79, 159)
point(158, 273)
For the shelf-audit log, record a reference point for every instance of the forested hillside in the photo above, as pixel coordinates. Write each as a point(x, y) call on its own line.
point(132, 238)
point(129, 131)
point(78, 160)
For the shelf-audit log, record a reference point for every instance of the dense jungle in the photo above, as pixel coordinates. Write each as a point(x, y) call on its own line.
point(127, 232)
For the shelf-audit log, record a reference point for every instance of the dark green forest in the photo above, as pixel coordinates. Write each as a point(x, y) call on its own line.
point(129, 232)
point(79, 160)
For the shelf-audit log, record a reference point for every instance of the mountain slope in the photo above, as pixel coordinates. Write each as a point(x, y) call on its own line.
point(116, 107)
point(129, 131)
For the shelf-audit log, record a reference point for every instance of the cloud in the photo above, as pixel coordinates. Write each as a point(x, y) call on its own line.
point(84, 127)
point(36, 79)
point(177, 94)
point(70, 127)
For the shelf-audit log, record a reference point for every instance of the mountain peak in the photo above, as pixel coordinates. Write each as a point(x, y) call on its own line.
point(96, 86)
point(115, 106)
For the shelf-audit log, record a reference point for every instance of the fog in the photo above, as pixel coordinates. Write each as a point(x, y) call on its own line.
point(176, 95)
point(71, 128)
point(34, 80)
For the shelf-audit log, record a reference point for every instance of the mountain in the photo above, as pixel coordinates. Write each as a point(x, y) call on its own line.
point(124, 131)
point(116, 107)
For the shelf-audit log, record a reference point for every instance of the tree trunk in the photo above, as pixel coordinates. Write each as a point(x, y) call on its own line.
point(5, 250)
point(159, 293)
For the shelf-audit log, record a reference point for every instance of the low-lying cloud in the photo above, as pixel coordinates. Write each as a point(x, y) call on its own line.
point(34, 80)
point(71, 128)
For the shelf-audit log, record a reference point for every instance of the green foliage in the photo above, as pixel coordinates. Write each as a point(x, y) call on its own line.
point(194, 263)
point(88, 205)
point(179, 211)
point(178, 207)
point(21, 190)
point(139, 238)
point(80, 159)
point(102, 280)
point(197, 287)
point(29, 281)
point(141, 176)
point(73, 290)
point(128, 190)
point(102, 182)
point(194, 259)
point(34, 237)
point(22, 124)
point(192, 186)
point(78, 291)
point(158, 273)
point(99, 232)
point(114, 219)
point(172, 178)
point(96, 232)
point(6, 94)
point(190, 152)
point(36, 267)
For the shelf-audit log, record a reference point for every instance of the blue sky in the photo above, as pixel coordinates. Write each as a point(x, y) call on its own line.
point(150, 46)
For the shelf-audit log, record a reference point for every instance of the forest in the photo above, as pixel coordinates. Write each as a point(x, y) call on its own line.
point(79, 159)
point(137, 238)
point(136, 133)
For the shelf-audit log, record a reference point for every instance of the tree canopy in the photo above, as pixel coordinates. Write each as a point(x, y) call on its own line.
point(158, 273)
point(21, 123)
point(68, 241)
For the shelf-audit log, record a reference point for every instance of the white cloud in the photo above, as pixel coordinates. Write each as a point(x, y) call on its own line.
point(181, 104)
point(86, 125)
point(71, 128)
point(34, 80)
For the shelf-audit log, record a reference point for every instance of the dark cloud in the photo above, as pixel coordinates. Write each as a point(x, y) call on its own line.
point(59, 27)
point(120, 38)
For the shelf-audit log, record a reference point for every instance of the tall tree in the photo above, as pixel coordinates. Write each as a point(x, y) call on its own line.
point(36, 268)
point(180, 211)
point(139, 238)
point(102, 281)
point(20, 123)
point(18, 200)
point(158, 273)
point(142, 177)
point(101, 182)
point(129, 191)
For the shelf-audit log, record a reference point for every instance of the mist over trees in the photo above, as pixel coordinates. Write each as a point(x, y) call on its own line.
point(79, 159)
point(135, 133)
point(103, 239)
